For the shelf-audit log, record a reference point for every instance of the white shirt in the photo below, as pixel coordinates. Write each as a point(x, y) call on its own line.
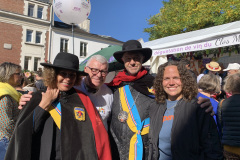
point(102, 100)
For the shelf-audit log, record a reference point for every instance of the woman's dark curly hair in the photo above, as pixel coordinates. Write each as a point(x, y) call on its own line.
point(50, 77)
point(189, 85)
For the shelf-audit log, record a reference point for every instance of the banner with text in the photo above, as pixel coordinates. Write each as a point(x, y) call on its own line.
point(216, 43)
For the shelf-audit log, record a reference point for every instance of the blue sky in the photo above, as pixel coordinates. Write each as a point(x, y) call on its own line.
point(122, 19)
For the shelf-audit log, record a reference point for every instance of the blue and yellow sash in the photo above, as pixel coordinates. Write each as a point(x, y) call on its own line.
point(55, 112)
point(134, 123)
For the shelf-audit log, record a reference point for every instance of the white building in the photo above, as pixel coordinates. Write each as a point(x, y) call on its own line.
point(85, 43)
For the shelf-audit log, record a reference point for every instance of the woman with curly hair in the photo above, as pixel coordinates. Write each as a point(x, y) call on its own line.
point(62, 122)
point(179, 128)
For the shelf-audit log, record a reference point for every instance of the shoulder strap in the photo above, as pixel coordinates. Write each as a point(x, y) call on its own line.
point(134, 123)
point(100, 133)
point(220, 103)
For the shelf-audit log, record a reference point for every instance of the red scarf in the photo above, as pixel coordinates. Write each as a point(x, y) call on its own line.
point(101, 135)
point(123, 77)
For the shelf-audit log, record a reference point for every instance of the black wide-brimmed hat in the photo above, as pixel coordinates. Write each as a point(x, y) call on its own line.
point(133, 46)
point(65, 61)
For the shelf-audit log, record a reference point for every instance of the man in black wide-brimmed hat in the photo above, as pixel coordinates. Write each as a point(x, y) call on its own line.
point(133, 86)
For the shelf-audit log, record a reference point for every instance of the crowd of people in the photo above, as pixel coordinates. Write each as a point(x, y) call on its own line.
point(73, 115)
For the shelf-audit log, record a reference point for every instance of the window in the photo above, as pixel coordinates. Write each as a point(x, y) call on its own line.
point(64, 45)
point(38, 37)
point(83, 49)
point(30, 10)
point(36, 60)
point(39, 12)
point(26, 62)
point(29, 36)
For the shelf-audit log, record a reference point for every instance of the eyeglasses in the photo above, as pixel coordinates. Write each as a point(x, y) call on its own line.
point(67, 74)
point(96, 71)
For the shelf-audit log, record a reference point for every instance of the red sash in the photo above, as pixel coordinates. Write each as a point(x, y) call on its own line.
point(101, 135)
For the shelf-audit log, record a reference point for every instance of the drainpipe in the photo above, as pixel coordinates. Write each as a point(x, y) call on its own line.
point(50, 33)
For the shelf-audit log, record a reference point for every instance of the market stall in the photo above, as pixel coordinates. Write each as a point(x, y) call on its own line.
point(219, 43)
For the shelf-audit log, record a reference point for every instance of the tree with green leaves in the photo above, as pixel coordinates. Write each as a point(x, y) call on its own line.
point(179, 16)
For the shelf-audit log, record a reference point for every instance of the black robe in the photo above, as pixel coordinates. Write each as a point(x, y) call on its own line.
point(77, 137)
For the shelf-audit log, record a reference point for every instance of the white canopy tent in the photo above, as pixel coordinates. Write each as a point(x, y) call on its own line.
point(213, 37)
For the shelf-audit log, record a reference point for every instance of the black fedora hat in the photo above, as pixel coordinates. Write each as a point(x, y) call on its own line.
point(65, 61)
point(133, 46)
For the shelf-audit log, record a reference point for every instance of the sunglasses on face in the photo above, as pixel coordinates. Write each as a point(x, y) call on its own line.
point(67, 74)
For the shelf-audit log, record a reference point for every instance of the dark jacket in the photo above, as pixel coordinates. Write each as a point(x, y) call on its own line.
point(194, 134)
point(230, 115)
point(40, 85)
point(120, 131)
point(38, 139)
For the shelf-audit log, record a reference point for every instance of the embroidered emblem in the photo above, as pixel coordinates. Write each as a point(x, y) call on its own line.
point(151, 90)
point(101, 110)
point(123, 116)
point(79, 113)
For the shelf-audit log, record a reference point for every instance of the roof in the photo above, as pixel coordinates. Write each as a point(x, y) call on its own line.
point(197, 36)
point(81, 31)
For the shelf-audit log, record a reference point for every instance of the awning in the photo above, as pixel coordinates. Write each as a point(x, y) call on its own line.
point(212, 37)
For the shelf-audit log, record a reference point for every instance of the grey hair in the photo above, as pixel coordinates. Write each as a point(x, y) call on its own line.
point(209, 83)
point(232, 83)
point(7, 69)
point(98, 58)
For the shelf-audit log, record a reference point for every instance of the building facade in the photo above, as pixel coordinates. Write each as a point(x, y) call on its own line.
point(85, 43)
point(29, 36)
point(24, 31)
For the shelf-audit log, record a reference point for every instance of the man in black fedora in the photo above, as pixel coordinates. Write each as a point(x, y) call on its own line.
point(133, 98)
point(133, 85)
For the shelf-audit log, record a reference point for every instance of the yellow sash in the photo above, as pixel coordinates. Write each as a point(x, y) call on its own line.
point(132, 125)
point(55, 112)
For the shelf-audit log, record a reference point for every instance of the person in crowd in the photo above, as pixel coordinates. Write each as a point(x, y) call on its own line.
point(179, 128)
point(208, 85)
point(26, 86)
point(222, 73)
point(93, 86)
point(29, 85)
point(133, 98)
point(186, 62)
point(62, 122)
point(19, 87)
point(232, 68)
point(39, 80)
point(229, 117)
point(213, 68)
point(10, 77)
